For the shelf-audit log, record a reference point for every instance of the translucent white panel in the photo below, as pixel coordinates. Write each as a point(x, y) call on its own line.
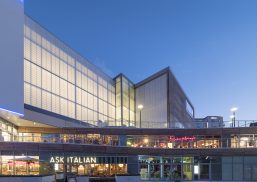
point(33, 36)
point(84, 114)
point(63, 107)
point(46, 100)
point(95, 103)
point(118, 113)
point(44, 43)
point(35, 75)
point(48, 46)
point(111, 111)
point(90, 85)
point(61, 54)
point(95, 91)
point(71, 61)
point(27, 48)
point(55, 65)
point(78, 110)
point(78, 66)
point(27, 93)
point(55, 104)
point(36, 97)
point(38, 56)
point(63, 88)
point(104, 83)
point(84, 82)
point(71, 74)
point(100, 80)
point(105, 109)
point(55, 85)
point(100, 91)
point(65, 57)
point(78, 96)
point(90, 73)
point(71, 109)
point(105, 94)
point(38, 39)
point(46, 80)
point(33, 96)
point(44, 59)
point(52, 49)
point(95, 118)
point(27, 31)
point(94, 76)
point(90, 101)
point(27, 71)
point(34, 53)
point(56, 52)
point(71, 92)
point(48, 61)
point(101, 106)
point(90, 115)
point(84, 70)
point(78, 79)
point(38, 72)
point(85, 98)
point(63, 70)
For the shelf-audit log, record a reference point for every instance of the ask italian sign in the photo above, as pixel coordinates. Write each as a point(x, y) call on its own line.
point(73, 160)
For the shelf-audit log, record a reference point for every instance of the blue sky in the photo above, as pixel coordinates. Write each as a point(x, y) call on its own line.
point(210, 45)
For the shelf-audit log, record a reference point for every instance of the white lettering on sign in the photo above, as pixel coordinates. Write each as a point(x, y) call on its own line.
point(73, 160)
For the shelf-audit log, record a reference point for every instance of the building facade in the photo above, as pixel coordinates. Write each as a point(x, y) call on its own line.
point(59, 82)
point(61, 114)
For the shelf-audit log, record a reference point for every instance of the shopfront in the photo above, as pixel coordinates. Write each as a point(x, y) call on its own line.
point(202, 168)
point(90, 165)
point(45, 164)
point(175, 141)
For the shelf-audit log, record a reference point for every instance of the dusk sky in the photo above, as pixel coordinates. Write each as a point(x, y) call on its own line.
point(210, 45)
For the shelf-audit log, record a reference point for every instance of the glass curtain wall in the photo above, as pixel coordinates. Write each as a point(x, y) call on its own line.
point(125, 101)
point(56, 81)
point(8, 131)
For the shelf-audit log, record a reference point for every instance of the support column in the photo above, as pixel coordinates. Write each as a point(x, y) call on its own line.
point(161, 168)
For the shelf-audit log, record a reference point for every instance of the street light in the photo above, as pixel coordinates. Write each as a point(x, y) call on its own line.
point(232, 120)
point(140, 107)
point(233, 110)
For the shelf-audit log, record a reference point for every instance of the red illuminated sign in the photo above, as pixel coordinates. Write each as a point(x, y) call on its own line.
point(174, 139)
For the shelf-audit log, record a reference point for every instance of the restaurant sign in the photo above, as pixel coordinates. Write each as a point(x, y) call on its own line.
point(73, 160)
point(185, 138)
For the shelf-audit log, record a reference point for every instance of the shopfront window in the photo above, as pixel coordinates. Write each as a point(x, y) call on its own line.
point(20, 165)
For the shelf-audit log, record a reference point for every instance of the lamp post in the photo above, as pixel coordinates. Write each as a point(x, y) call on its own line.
point(233, 110)
point(232, 120)
point(140, 107)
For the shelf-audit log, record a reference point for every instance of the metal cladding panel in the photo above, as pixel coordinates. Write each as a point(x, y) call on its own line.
point(11, 55)
point(153, 96)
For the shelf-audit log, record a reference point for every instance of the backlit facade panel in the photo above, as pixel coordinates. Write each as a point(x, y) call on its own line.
point(59, 80)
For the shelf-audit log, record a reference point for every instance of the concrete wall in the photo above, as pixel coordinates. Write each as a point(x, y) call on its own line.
point(11, 55)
